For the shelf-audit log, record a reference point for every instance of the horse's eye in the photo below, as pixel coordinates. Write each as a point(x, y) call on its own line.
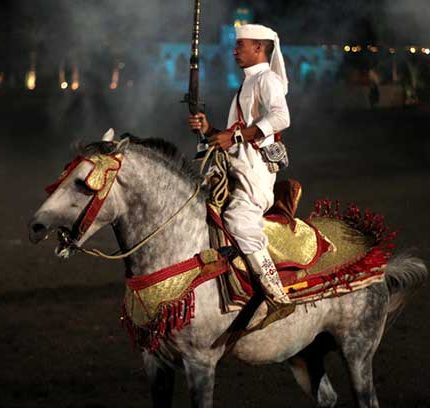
point(82, 187)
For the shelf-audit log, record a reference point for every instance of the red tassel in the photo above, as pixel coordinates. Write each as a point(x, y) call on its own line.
point(172, 317)
point(368, 223)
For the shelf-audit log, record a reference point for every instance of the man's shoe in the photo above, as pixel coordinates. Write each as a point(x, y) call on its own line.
point(263, 267)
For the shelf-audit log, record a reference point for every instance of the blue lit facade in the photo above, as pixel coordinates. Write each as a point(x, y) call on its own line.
point(304, 64)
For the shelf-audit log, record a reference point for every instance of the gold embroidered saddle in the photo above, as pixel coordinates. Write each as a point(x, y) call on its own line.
point(329, 254)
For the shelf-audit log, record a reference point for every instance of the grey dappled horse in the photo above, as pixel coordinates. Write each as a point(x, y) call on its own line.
point(153, 182)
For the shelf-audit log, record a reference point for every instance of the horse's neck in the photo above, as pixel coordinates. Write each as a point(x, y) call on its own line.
point(153, 200)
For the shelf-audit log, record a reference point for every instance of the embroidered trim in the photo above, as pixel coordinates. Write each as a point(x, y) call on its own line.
point(172, 315)
point(167, 316)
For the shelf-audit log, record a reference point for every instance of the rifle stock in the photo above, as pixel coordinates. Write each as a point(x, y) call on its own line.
point(192, 98)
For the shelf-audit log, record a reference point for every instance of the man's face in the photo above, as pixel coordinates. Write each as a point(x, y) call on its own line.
point(246, 53)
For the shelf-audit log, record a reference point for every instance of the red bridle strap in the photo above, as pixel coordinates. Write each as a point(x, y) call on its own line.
point(100, 179)
point(68, 168)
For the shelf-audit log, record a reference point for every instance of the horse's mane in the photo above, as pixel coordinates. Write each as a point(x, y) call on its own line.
point(165, 151)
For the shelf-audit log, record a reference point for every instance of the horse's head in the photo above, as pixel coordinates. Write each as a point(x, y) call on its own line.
point(83, 199)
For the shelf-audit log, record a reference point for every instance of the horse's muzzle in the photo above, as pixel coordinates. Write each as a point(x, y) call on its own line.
point(37, 231)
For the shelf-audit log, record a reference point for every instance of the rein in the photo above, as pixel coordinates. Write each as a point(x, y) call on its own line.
point(218, 197)
point(101, 179)
point(219, 191)
point(136, 247)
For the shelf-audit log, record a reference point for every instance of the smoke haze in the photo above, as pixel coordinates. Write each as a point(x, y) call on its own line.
point(337, 21)
point(407, 21)
point(96, 36)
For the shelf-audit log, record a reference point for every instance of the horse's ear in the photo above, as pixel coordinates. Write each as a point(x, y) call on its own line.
point(108, 136)
point(122, 146)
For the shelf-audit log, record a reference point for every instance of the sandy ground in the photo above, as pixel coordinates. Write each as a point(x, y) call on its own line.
point(61, 343)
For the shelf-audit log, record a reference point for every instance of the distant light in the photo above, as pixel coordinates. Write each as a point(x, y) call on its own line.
point(237, 23)
point(31, 80)
point(75, 78)
point(425, 51)
point(413, 50)
point(373, 48)
point(355, 49)
point(242, 10)
point(62, 78)
point(347, 48)
point(30, 77)
point(392, 50)
point(115, 77)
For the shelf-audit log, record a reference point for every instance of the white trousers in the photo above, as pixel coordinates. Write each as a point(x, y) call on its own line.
point(251, 198)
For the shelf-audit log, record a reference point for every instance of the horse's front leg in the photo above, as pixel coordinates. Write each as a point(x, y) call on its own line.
point(201, 380)
point(161, 379)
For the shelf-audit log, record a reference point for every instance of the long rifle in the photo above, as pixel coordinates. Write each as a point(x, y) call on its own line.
point(195, 105)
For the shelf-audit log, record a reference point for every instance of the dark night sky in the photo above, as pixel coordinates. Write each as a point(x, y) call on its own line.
point(337, 21)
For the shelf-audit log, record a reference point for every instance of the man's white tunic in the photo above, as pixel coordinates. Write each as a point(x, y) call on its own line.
point(263, 104)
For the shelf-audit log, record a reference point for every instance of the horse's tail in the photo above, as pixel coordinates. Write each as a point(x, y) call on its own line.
point(404, 275)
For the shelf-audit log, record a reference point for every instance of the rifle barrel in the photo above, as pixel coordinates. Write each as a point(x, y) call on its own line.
point(193, 87)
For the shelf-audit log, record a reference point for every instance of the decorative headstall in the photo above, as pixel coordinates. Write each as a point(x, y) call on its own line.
point(99, 180)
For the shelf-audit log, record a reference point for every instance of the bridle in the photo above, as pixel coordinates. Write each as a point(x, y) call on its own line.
point(100, 180)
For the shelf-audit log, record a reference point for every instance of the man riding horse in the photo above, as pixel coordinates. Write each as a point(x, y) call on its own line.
point(172, 303)
point(258, 114)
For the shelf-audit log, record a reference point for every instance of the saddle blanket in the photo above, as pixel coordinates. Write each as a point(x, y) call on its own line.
point(325, 257)
point(330, 254)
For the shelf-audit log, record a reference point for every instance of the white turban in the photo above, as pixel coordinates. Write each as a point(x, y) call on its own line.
point(260, 32)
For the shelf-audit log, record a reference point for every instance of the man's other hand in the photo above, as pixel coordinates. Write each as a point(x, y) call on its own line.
point(199, 122)
point(222, 139)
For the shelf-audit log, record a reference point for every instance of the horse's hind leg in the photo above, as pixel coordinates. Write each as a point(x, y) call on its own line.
point(359, 340)
point(309, 372)
point(361, 373)
point(161, 378)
